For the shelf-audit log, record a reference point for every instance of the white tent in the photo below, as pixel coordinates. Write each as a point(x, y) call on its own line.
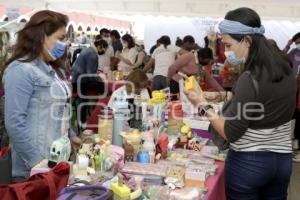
point(268, 9)
point(153, 18)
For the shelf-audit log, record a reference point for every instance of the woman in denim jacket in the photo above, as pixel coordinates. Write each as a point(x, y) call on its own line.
point(36, 96)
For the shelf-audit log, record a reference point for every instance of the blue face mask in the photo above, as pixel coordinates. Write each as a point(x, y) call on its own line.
point(58, 51)
point(232, 59)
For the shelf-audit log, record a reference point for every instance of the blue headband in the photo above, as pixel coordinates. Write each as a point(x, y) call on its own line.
point(234, 27)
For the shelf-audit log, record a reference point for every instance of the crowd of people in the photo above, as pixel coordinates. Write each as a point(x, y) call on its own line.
point(259, 161)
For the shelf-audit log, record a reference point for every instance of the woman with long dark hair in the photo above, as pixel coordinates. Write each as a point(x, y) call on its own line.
point(129, 54)
point(256, 122)
point(36, 93)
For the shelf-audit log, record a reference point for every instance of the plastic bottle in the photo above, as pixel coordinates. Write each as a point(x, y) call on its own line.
point(121, 114)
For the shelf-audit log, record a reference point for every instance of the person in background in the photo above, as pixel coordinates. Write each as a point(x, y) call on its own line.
point(179, 42)
point(162, 57)
point(116, 41)
point(137, 83)
point(104, 61)
point(154, 47)
point(206, 42)
point(189, 64)
point(128, 56)
point(37, 96)
point(296, 128)
point(105, 34)
point(294, 56)
point(188, 43)
point(190, 46)
point(206, 59)
point(84, 74)
point(141, 58)
point(118, 48)
point(259, 160)
point(83, 39)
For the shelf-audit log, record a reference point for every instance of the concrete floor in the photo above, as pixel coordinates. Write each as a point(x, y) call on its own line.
point(294, 189)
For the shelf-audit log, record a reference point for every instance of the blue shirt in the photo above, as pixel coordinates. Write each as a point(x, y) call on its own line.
point(86, 64)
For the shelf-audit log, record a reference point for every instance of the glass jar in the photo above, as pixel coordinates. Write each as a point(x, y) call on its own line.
point(105, 124)
point(175, 118)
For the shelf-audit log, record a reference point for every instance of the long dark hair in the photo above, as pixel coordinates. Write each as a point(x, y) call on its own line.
point(128, 38)
point(165, 40)
point(262, 55)
point(30, 39)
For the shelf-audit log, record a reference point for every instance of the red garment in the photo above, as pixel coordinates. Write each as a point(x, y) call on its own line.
point(221, 56)
point(46, 186)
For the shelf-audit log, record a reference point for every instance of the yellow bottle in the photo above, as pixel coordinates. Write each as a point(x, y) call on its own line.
point(191, 84)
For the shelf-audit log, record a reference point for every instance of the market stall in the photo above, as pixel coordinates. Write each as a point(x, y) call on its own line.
point(157, 153)
point(134, 147)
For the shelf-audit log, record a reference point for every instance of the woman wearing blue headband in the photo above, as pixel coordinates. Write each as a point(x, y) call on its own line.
point(255, 123)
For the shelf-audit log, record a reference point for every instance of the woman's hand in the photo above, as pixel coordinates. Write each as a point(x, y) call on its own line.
point(290, 42)
point(76, 142)
point(196, 97)
point(212, 96)
point(120, 57)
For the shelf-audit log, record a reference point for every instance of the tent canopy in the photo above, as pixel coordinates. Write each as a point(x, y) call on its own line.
point(177, 18)
point(268, 9)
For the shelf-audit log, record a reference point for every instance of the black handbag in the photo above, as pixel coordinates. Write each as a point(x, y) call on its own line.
point(5, 166)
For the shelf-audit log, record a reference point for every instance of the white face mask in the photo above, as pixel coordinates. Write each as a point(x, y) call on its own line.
point(298, 46)
point(108, 40)
point(125, 44)
point(232, 59)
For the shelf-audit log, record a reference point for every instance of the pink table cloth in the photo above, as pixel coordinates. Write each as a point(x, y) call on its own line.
point(215, 184)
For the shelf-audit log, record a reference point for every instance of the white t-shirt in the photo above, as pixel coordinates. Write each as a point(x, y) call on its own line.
point(131, 55)
point(164, 58)
point(121, 91)
point(104, 60)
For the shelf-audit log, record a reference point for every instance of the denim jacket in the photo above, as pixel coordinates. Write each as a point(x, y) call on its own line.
point(34, 109)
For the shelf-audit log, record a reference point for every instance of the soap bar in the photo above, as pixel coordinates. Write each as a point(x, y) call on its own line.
point(191, 84)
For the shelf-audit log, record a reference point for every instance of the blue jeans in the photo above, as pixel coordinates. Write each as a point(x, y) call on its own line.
point(257, 175)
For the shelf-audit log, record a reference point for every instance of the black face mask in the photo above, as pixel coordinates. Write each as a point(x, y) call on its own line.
point(101, 52)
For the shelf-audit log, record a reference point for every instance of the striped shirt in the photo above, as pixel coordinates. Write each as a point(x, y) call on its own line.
point(275, 140)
